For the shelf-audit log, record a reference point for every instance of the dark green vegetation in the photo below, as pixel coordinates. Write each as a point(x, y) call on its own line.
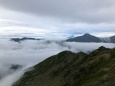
point(70, 69)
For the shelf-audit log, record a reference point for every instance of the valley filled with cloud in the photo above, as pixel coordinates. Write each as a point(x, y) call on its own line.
point(54, 21)
point(28, 53)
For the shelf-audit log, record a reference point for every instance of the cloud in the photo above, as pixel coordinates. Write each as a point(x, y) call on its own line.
point(15, 23)
point(8, 80)
point(87, 11)
point(29, 53)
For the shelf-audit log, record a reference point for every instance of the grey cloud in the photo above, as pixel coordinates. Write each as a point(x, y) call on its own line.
point(29, 53)
point(88, 11)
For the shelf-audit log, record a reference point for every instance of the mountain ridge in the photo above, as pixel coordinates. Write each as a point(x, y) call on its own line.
point(73, 69)
point(90, 38)
point(23, 39)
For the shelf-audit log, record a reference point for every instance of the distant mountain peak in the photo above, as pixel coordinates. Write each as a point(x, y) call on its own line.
point(72, 36)
point(91, 38)
point(85, 38)
point(86, 34)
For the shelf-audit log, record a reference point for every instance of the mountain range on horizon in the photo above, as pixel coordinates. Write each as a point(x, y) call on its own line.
point(84, 38)
point(90, 38)
point(23, 39)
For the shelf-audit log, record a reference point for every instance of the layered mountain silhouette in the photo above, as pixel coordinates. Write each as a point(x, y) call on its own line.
point(23, 39)
point(90, 38)
point(71, 69)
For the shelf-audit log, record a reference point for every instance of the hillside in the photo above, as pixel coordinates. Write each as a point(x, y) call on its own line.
point(70, 69)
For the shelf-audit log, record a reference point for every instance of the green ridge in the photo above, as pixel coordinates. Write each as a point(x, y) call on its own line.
point(70, 69)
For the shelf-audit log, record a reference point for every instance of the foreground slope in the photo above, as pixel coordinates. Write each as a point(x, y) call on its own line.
point(70, 69)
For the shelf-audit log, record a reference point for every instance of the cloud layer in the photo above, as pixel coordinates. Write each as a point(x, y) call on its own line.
point(88, 11)
point(29, 53)
point(56, 18)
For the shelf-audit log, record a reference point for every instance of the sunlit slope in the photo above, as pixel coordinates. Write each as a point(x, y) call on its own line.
point(70, 69)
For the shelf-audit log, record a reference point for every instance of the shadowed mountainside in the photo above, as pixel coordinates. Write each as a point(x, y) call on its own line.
point(90, 38)
point(71, 69)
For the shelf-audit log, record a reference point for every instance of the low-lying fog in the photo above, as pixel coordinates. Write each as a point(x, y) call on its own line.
point(16, 57)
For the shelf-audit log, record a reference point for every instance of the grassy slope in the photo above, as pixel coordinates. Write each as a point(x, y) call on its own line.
point(70, 69)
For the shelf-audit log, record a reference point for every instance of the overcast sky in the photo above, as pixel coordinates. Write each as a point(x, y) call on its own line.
point(56, 18)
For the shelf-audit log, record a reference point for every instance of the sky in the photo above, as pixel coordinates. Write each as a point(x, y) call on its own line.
point(56, 18)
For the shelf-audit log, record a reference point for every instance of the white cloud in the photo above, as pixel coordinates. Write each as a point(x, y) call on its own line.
point(29, 53)
point(88, 11)
point(17, 22)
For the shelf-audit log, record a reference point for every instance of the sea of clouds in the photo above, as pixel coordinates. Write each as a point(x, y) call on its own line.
point(29, 53)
